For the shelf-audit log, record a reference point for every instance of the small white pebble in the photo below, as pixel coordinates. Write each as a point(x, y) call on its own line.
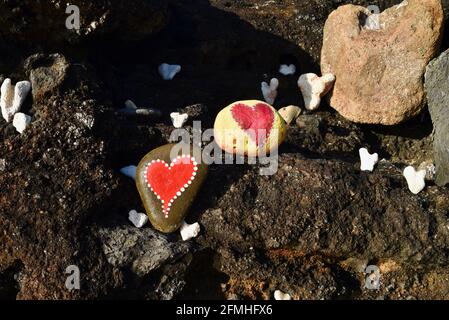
point(189, 231)
point(168, 71)
point(313, 88)
point(129, 171)
point(290, 113)
point(138, 219)
point(178, 119)
point(287, 69)
point(270, 91)
point(367, 160)
point(130, 104)
point(21, 121)
point(415, 179)
point(279, 295)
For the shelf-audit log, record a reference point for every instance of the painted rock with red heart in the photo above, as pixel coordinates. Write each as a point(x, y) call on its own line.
point(249, 128)
point(168, 179)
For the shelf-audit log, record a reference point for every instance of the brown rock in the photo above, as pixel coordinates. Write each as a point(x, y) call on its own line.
point(379, 64)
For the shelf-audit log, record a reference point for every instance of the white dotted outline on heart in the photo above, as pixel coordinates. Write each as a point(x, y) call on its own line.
point(179, 193)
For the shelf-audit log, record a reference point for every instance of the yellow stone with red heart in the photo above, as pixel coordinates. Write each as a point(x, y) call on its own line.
point(250, 127)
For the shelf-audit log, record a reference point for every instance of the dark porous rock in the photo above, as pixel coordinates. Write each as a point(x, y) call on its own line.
point(253, 277)
point(155, 264)
point(323, 208)
point(309, 230)
point(32, 22)
point(437, 87)
point(46, 73)
point(8, 283)
point(195, 111)
point(140, 250)
point(53, 189)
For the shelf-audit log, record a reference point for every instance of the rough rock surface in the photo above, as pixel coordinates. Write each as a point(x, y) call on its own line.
point(47, 74)
point(380, 71)
point(373, 218)
point(63, 198)
point(44, 22)
point(437, 87)
point(143, 250)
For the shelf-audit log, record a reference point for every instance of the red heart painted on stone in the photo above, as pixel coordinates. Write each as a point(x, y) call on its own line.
point(256, 121)
point(168, 182)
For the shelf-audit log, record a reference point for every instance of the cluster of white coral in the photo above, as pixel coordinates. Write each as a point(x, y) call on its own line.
point(11, 100)
point(416, 179)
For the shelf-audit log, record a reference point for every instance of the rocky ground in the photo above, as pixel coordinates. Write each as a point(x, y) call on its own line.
point(309, 230)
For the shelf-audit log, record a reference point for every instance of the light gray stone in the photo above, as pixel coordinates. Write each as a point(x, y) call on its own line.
point(142, 250)
point(437, 88)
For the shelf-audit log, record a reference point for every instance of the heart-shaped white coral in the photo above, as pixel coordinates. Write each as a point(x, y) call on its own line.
point(138, 219)
point(287, 69)
point(279, 295)
point(415, 179)
point(168, 71)
point(270, 91)
point(178, 119)
point(313, 88)
point(367, 160)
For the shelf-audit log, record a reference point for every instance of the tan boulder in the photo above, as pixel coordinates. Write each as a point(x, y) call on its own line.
point(379, 60)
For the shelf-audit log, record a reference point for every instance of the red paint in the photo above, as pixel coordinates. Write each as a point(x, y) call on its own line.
point(169, 181)
point(255, 121)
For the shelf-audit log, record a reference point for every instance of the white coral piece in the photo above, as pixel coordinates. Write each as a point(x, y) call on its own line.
point(279, 295)
point(367, 160)
point(270, 91)
point(415, 179)
point(287, 69)
point(178, 119)
point(21, 121)
point(313, 88)
point(168, 71)
point(138, 219)
point(189, 231)
point(129, 171)
point(129, 104)
point(12, 98)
